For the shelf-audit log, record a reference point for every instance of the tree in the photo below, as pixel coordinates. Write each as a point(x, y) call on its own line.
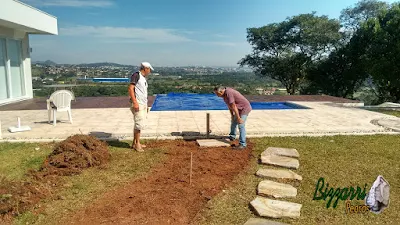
point(345, 70)
point(353, 17)
point(284, 51)
point(383, 52)
point(340, 75)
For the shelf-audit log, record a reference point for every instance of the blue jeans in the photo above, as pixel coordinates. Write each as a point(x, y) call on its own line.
point(242, 130)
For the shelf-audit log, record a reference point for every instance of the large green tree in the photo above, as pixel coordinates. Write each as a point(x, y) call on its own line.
point(345, 70)
point(384, 52)
point(284, 51)
point(352, 17)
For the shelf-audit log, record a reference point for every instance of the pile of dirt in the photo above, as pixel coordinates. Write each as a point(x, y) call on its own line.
point(69, 157)
point(165, 195)
point(74, 154)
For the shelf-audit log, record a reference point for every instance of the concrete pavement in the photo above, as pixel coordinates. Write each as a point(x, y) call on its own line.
point(323, 118)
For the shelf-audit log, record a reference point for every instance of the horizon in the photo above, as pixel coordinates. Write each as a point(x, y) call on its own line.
point(166, 34)
point(89, 63)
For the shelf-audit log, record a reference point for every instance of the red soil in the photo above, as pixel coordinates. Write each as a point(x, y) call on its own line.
point(165, 195)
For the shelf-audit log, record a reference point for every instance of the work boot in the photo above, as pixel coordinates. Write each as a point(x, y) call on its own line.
point(239, 148)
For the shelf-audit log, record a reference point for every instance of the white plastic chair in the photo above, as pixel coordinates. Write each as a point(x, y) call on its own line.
point(60, 101)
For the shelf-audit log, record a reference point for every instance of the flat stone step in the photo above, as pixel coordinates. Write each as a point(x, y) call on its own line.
point(276, 190)
point(260, 221)
point(278, 174)
point(212, 143)
point(283, 161)
point(266, 207)
point(289, 152)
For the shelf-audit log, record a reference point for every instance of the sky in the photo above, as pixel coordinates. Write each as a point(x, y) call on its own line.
point(162, 32)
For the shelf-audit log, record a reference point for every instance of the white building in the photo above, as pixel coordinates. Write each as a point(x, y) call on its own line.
point(17, 22)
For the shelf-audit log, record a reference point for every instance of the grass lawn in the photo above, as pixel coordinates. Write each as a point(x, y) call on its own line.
point(342, 160)
point(389, 112)
point(18, 158)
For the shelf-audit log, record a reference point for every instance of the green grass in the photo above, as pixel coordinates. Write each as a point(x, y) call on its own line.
point(391, 112)
point(17, 158)
point(79, 190)
point(388, 112)
point(342, 160)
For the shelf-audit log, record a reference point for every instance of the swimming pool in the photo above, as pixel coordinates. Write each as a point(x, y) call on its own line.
point(187, 102)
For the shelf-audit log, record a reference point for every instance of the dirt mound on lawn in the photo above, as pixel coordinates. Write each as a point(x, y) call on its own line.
point(76, 153)
point(69, 157)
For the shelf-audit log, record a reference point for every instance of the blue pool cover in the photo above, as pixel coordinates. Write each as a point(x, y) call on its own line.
point(185, 101)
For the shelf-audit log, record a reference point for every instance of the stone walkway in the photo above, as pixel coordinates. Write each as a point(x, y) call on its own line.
point(323, 118)
point(267, 203)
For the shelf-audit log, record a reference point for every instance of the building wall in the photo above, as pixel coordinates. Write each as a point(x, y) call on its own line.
point(26, 57)
point(26, 62)
point(6, 32)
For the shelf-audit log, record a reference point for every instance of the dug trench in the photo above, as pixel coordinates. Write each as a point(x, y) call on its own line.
point(167, 195)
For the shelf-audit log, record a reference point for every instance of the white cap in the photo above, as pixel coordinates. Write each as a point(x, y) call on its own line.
point(146, 64)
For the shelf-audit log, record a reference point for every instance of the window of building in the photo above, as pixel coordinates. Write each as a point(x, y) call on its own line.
point(12, 81)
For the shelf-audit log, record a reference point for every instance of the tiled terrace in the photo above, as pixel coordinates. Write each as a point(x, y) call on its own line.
point(115, 121)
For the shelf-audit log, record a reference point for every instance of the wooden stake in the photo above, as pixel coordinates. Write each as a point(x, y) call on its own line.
point(191, 164)
point(208, 126)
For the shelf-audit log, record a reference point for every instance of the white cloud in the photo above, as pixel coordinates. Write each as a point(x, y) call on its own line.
point(220, 43)
point(137, 35)
point(221, 36)
point(127, 34)
point(193, 32)
point(71, 3)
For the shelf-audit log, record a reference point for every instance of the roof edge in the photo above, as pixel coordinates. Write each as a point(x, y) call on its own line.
point(22, 3)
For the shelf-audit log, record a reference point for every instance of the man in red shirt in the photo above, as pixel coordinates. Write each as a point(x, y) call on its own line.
point(239, 107)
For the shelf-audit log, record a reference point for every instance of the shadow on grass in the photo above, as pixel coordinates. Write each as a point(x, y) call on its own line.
point(100, 134)
point(118, 144)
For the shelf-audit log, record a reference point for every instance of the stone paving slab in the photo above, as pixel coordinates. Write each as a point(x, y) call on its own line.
point(289, 152)
point(276, 190)
point(260, 221)
point(212, 143)
point(321, 118)
point(276, 160)
point(278, 174)
point(266, 207)
point(392, 123)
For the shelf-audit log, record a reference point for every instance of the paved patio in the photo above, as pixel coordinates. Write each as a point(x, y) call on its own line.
point(323, 118)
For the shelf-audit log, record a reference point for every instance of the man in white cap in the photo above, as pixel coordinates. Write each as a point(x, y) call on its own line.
point(138, 98)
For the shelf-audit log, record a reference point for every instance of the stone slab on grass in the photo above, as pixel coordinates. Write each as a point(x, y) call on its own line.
point(283, 161)
point(390, 123)
point(276, 190)
point(260, 221)
point(266, 207)
point(212, 143)
point(289, 152)
point(278, 174)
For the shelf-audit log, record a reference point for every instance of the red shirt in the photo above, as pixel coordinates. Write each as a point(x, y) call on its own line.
point(233, 96)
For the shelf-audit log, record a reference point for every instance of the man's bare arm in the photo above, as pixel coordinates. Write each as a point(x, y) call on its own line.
point(233, 108)
point(131, 91)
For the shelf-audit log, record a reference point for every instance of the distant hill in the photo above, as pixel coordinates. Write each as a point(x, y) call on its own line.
point(103, 64)
point(47, 63)
point(51, 63)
